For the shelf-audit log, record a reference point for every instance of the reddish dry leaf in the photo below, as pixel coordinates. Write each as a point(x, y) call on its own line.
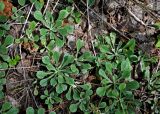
point(8, 8)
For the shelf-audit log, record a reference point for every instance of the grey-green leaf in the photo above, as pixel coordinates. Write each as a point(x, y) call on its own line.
point(46, 60)
point(29, 110)
point(63, 14)
point(41, 74)
point(122, 86)
point(44, 82)
point(6, 106)
point(103, 74)
point(101, 91)
point(38, 15)
point(22, 2)
point(133, 85)
point(41, 111)
point(56, 56)
point(9, 40)
point(73, 107)
point(79, 44)
point(2, 6)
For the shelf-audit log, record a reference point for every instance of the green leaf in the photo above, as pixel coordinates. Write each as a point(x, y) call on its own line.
point(63, 31)
point(70, 1)
point(79, 44)
point(76, 95)
point(2, 6)
point(158, 42)
point(101, 91)
point(103, 74)
point(46, 60)
point(63, 14)
point(1, 95)
point(74, 68)
point(113, 94)
point(122, 86)
point(43, 31)
point(22, 2)
point(86, 86)
point(113, 37)
point(50, 67)
point(38, 5)
point(13, 110)
point(3, 18)
point(2, 81)
point(86, 56)
point(88, 93)
point(102, 105)
point(56, 56)
point(69, 80)
point(3, 65)
point(52, 112)
point(59, 42)
point(41, 111)
point(53, 82)
point(44, 82)
point(32, 25)
point(85, 68)
point(68, 94)
point(60, 88)
point(91, 2)
point(126, 68)
point(60, 79)
point(51, 45)
point(46, 92)
point(82, 106)
point(38, 15)
point(6, 106)
point(157, 25)
point(108, 67)
point(58, 23)
point(67, 59)
point(133, 85)
point(130, 44)
point(73, 107)
point(2, 74)
point(29, 110)
point(69, 29)
point(35, 91)
point(104, 48)
point(3, 49)
point(32, 1)
point(41, 74)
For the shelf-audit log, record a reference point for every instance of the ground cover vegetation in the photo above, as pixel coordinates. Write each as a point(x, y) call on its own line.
point(79, 56)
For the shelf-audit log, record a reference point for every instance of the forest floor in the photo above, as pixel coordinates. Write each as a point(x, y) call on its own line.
point(79, 56)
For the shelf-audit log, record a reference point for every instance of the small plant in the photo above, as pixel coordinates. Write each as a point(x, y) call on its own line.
point(7, 108)
point(117, 85)
point(5, 60)
point(80, 96)
point(31, 110)
point(57, 74)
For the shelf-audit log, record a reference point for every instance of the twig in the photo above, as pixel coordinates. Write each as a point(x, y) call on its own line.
point(135, 17)
point(46, 7)
point(89, 28)
point(147, 9)
point(108, 24)
point(25, 23)
point(158, 65)
point(19, 68)
point(55, 6)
